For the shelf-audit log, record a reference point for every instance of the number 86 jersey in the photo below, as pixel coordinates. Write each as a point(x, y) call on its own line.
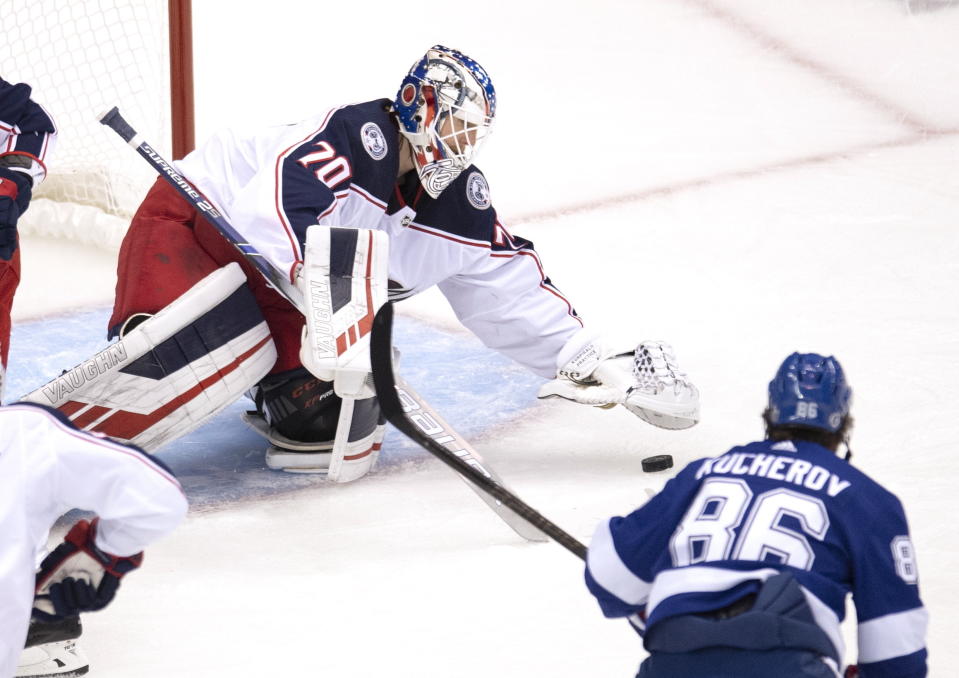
point(725, 524)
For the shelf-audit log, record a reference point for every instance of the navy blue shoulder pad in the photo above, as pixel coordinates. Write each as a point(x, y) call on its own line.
point(367, 135)
point(463, 209)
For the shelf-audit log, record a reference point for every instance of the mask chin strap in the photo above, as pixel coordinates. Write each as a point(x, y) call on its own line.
point(848, 455)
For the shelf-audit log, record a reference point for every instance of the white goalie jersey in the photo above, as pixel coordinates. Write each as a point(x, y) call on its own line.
point(341, 169)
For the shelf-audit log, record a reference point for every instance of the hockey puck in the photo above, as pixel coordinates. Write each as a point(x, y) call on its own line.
point(659, 462)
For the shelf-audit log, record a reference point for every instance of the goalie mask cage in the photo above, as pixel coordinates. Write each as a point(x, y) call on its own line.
point(81, 58)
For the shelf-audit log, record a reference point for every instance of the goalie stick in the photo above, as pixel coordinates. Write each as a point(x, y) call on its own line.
point(278, 280)
point(115, 121)
point(390, 392)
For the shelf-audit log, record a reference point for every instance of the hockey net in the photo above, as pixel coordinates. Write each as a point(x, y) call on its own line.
point(81, 58)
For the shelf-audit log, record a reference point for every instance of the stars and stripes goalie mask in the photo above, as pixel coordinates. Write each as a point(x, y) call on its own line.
point(445, 108)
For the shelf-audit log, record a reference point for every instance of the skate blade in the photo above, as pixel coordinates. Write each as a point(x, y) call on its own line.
point(298, 462)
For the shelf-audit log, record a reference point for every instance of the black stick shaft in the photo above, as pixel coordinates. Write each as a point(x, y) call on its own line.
point(385, 382)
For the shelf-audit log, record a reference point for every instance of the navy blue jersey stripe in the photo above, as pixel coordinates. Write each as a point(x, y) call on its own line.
point(342, 253)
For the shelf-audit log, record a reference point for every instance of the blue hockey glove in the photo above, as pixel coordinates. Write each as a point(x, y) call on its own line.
point(15, 193)
point(78, 577)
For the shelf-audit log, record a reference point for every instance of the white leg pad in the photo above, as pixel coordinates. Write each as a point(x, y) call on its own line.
point(173, 372)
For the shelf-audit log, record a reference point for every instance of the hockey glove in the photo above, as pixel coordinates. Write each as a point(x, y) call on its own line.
point(647, 382)
point(79, 577)
point(15, 193)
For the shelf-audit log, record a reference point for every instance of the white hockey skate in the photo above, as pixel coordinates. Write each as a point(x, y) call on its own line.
point(62, 659)
point(299, 461)
point(662, 395)
point(289, 455)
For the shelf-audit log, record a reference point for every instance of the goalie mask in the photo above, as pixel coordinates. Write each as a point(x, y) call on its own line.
point(445, 107)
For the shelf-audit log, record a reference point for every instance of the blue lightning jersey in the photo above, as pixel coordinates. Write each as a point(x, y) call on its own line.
point(725, 524)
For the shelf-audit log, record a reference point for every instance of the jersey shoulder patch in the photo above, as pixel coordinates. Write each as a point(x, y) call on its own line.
point(373, 140)
point(477, 191)
point(463, 209)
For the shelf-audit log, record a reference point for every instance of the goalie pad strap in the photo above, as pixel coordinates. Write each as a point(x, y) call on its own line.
point(173, 372)
point(359, 437)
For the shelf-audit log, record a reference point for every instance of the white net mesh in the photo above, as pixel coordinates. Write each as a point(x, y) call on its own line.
point(82, 58)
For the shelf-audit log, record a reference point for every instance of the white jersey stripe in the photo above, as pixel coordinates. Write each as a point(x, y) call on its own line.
point(701, 579)
point(827, 620)
point(609, 571)
point(706, 579)
point(893, 635)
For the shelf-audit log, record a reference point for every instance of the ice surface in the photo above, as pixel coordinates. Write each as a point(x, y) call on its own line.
point(222, 462)
point(739, 177)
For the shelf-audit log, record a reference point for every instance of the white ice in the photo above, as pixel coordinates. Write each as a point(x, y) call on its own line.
point(740, 177)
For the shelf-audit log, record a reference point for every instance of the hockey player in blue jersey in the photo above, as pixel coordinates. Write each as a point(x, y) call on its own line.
point(741, 565)
point(384, 194)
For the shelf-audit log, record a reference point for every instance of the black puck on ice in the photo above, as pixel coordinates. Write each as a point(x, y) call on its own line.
point(659, 462)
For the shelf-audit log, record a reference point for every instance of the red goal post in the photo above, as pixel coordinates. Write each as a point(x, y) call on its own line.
point(82, 58)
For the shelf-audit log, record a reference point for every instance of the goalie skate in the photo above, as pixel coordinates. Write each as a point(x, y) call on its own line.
point(350, 455)
point(63, 659)
point(662, 395)
point(286, 454)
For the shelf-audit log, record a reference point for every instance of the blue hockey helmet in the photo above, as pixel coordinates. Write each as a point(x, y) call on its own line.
point(810, 391)
point(445, 105)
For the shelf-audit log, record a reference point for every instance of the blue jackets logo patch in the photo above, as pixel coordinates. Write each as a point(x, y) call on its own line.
point(477, 191)
point(373, 140)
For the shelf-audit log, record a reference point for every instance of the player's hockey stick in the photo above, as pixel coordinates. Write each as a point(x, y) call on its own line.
point(115, 121)
point(430, 423)
point(391, 395)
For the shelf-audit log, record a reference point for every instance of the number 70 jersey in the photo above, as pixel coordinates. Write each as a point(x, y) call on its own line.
point(725, 524)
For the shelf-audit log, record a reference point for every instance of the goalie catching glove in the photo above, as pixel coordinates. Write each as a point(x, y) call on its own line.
point(78, 577)
point(647, 382)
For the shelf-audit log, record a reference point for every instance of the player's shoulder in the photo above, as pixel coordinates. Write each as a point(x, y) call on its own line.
point(32, 428)
point(866, 496)
point(464, 209)
point(365, 131)
point(33, 413)
point(368, 138)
